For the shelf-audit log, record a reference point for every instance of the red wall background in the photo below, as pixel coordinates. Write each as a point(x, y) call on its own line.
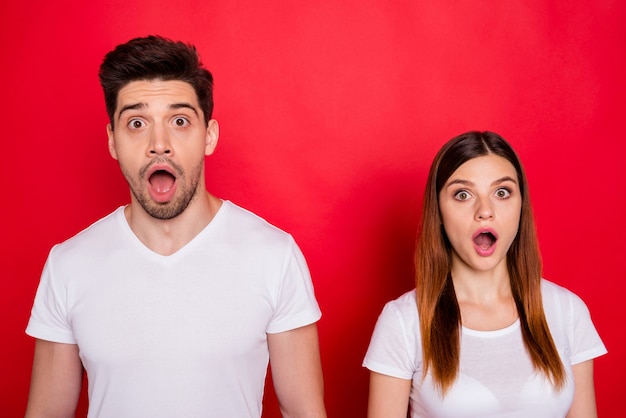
point(330, 114)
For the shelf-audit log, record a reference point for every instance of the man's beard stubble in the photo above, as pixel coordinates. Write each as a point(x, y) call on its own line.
point(169, 210)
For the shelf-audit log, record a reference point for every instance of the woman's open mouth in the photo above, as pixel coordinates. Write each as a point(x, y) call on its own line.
point(484, 242)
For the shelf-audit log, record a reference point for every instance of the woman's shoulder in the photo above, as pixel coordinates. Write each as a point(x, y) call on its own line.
point(570, 323)
point(561, 303)
point(403, 309)
point(404, 302)
point(551, 291)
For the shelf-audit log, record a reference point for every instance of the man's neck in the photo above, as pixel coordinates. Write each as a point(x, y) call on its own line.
point(166, 236)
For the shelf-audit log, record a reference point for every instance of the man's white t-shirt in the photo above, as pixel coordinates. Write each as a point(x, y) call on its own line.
point(182, 335)
point(496, 376)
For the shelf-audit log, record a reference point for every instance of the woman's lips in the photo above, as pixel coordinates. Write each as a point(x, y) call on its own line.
point(485, 241)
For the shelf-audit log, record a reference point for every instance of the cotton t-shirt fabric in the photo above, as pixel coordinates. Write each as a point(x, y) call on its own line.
point(496, 376)
point(182, 335)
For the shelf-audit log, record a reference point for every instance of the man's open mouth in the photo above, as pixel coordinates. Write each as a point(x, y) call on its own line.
point(162, 180)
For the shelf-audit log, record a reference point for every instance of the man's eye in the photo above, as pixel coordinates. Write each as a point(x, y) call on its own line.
point(180, 122)
point(136, 124)
point(462, 195)
point(503, 193)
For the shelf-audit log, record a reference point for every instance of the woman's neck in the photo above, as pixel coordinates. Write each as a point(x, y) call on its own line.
point(484, 297)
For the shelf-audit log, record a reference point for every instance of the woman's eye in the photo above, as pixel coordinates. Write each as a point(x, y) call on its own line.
point(462, 195)
point(181, 122)
point(136, 124)
point(503, 193)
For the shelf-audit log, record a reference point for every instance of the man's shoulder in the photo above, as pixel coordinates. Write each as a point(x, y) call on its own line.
point(95, 234)
point(244, 220)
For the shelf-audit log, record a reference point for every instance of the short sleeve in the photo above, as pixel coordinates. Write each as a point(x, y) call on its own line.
point(296, 305)
point(393, 347)
point(48, 320)
point(587, 343)
point(570, 324)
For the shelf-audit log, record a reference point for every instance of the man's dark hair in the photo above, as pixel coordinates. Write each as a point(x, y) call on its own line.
point(155, 58)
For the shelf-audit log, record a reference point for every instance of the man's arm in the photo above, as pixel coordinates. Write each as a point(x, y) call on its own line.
point(56, 380)
point(584, 404)
point(297, 372)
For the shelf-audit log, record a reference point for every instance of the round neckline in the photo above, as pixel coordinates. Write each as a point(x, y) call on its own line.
point(492, 333)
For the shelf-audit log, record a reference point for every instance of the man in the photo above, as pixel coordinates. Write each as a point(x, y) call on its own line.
point(174, 303)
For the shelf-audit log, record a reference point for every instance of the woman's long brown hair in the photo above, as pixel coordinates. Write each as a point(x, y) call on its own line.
point(438, 308)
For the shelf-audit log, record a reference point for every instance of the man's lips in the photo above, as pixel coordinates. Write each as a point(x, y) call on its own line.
point(161, 181)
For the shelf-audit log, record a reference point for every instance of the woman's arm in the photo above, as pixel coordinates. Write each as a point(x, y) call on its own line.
point(389, 396)
point(584, 404)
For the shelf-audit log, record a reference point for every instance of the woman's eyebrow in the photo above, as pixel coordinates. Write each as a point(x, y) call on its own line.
point(504, 179)
point(470, 183)
point(461, 182)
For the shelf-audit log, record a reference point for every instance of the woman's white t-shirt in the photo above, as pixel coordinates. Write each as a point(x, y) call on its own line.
point(496, 376)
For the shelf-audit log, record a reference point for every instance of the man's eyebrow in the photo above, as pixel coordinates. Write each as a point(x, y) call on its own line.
point(184, 105)
point(135, 106)
point(130, 107)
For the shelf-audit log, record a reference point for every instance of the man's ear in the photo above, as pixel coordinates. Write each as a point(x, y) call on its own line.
point(111, 136)
point(212, 135)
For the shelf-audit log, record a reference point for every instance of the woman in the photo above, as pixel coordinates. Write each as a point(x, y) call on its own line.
point(482, 335)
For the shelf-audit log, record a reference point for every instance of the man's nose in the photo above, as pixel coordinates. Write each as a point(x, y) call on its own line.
point(159, 142)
